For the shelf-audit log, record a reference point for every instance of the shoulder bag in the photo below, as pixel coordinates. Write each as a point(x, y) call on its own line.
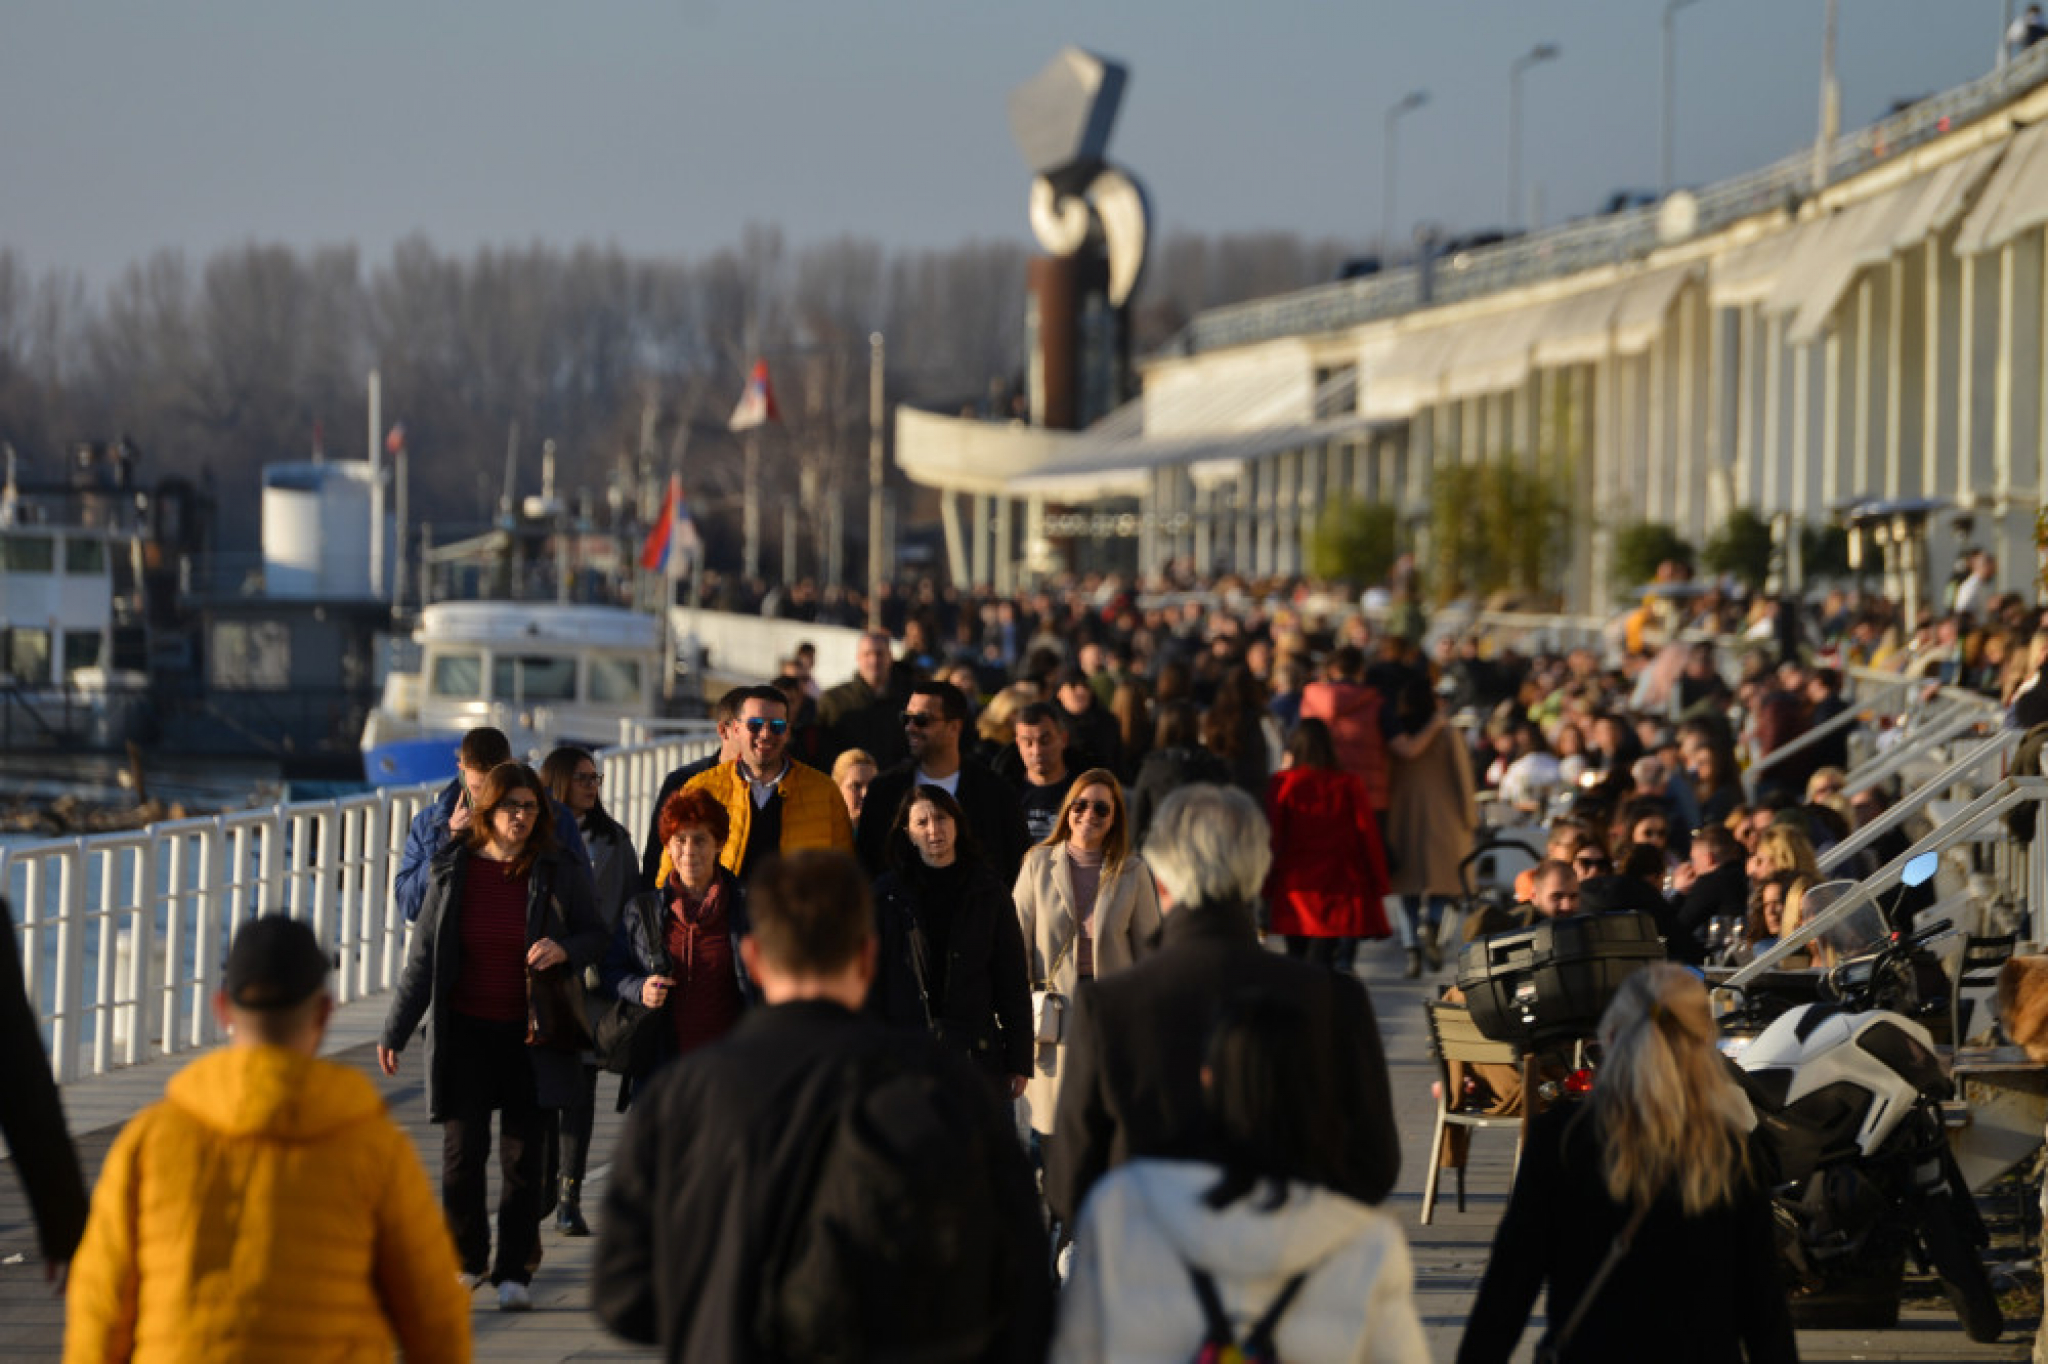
point(1552, 1350)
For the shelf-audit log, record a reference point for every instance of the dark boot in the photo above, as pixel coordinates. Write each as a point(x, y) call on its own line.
point(1414, 967)
point(569, 1214)
point(1432, 948)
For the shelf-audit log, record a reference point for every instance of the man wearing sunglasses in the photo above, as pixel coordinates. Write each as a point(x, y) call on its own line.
point(776, 805)
point(933, 719)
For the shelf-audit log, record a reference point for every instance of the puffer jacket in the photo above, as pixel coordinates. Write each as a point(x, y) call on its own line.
point(1128, 1295)
point(1352, 711)
point(558, 906)
point(813, 811)
point(266, 1209)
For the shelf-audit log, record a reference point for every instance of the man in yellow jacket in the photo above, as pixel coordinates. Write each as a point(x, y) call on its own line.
point(776, 804)
point(268, 1208)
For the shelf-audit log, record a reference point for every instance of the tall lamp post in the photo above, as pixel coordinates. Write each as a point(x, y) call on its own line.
point(1830, 102)
point(1666, 176)
point(878, 556)
point(1542, 52)
point(1408, 104)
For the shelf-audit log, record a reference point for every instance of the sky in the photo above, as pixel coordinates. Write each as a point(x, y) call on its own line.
point(127, 126)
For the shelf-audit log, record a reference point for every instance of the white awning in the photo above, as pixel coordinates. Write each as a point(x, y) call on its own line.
point(1944, 194)
point(1408, 374)
point(1749, 273)
point(1645, 306)
point(1095, 469)
point(1814, 245)
point(1492, 354)
point(2015, 200)
point(1860, 236)
point(1578, 329)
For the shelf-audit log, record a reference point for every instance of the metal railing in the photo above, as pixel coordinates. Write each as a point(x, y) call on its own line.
point(1612, 239)
point(123, 935)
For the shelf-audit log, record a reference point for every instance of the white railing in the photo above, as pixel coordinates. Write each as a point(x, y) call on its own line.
point(123, 935)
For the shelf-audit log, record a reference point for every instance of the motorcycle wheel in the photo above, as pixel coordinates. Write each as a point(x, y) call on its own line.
point(1962, 1273)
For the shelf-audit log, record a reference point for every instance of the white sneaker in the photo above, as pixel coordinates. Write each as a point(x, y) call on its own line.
point(471, 1282)
point(513, 1297)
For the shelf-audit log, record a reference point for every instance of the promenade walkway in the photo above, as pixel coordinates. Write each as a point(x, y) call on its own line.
point(1450, 1256)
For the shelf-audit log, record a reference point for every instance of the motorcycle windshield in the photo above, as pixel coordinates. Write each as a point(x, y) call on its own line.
point(1860, 931)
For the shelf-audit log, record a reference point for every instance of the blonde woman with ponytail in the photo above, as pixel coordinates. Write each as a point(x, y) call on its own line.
point(1661, 1146)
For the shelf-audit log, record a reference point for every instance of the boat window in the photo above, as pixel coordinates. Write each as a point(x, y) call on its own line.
point(81, 650)
point(28, 655)
point(614, 680)
point(533, 677)
point(460, 676)
point(28, 553)
point(85, 556)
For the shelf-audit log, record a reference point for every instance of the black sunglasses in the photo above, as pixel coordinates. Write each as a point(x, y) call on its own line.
point(1101, 809)
point(756, 724)
point(919, 719)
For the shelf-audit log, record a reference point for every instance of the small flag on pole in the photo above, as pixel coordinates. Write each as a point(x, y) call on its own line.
point(395, 442)
point(757, 404)
point(674, 540)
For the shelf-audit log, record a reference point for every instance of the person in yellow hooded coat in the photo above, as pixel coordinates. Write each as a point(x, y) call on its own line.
point(267, 1208)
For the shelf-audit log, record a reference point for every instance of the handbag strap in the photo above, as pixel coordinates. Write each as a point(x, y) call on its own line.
point(1045, 981)
point(1615, 1252)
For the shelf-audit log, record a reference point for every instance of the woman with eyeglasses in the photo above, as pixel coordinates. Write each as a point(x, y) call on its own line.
point(500, 910)
point(572, 779)
point(951, 958)
point(1328, 884)
point(1087, 906)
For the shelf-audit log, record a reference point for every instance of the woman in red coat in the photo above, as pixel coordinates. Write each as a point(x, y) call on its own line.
point(1329, 877)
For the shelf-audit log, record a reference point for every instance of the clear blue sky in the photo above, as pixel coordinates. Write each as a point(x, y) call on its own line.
point(128, 125)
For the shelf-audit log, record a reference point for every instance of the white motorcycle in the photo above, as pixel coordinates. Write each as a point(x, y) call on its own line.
point(1848, 1094)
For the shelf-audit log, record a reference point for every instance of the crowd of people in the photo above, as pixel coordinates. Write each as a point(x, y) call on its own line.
point(974, 938)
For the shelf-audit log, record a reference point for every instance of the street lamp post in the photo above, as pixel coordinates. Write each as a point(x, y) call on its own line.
point(878, 558)
point(1830, 102)
point(1542, 52)
point(1666, 177)
point(1408, 103)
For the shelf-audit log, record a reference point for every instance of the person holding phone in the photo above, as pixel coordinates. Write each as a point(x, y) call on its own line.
point(775, 803)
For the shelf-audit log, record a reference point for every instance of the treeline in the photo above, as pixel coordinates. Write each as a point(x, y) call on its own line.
point(215, 368)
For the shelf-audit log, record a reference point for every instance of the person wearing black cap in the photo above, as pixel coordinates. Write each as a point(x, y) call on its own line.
point(268, 1208)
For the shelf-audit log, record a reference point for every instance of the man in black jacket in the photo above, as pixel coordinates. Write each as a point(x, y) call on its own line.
point(1136, 1040)
point(934, 718)
point(711, 1169)
point(861, 711)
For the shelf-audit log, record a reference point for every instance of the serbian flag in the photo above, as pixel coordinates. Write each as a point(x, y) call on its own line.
point(757, 404)
point(674, 538)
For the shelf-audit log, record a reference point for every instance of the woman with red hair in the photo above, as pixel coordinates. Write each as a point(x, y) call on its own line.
point(677, 948)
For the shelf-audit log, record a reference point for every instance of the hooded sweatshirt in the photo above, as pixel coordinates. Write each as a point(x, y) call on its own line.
point(267, 1209)
point(1130, 1299)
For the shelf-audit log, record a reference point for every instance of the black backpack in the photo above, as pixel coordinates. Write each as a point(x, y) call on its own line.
point(897, 1252)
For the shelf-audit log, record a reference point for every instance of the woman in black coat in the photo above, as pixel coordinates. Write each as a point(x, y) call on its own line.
point(1665, 1130)
point(952, 956)
point(499, 911)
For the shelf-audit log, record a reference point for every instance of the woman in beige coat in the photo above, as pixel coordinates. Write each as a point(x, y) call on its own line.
point(1431, 819)
point(1087, 906)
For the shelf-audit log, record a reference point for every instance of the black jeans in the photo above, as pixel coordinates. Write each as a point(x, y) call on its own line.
point(488, 1070)
point(577, 1120)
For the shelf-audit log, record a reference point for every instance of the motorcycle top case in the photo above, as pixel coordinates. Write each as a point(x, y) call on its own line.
point(1552, 981)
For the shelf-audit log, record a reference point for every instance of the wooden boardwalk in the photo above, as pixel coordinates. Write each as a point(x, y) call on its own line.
point(1450, 1255)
